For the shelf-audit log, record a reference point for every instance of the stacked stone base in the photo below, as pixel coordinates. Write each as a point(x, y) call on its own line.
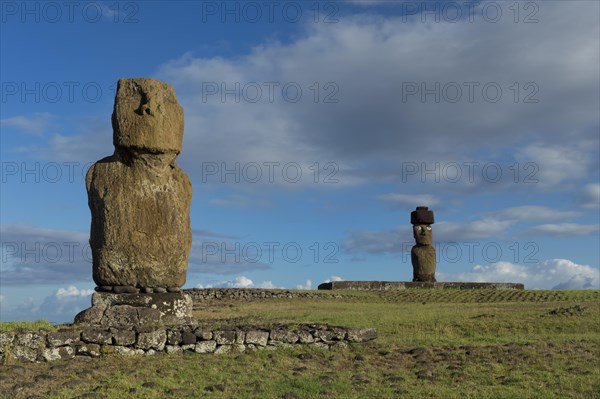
point(112, 309)
point(403, 285)
point(86, 341)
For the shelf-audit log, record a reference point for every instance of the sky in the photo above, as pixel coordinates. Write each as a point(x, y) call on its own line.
point(312, 130)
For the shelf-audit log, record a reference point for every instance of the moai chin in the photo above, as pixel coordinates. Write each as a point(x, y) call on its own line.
point(139, 198)
point(423, 253)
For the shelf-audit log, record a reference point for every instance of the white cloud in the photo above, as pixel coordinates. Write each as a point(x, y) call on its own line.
point(334, 278)
point(34, 255)
point(549, 274)
point(591, 196)
point(400, 239)
point(72, 291)
point(534, 213)
point(565, 229)
point(92, 142)
point(558, 164)
point(60, 307)
point(241, 282)
point(238, 282)
point(372, 129)
point(306, 286)
point(35, 124)
point(224, 256)
point(267, 285)
point(409, 199)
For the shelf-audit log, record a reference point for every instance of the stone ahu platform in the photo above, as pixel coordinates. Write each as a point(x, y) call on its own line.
point(404, 285)
point(111, 309)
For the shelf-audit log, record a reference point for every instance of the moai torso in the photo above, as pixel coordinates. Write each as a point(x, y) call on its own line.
point(423, 253)
point(139, 198)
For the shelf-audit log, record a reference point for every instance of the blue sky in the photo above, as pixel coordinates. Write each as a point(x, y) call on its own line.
point(312, 129)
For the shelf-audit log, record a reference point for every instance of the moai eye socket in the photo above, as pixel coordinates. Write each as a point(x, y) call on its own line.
point(418, 228)
point(429, 228)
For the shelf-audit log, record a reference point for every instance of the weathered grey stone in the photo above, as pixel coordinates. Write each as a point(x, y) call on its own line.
point(284, 336)
point(361, 334)
point(92, 350)
point(20, 352)
point(91, 315)
point(64, 352)
point(122, 315)
point(188, 338)
point(150, 317)
point(339, 334)
point(155, 339)
point(30, 339)
point(126, 351)
point(240, 337)
point(257, 337)
point(226, 337)
point(319, 345)
point(125, 289)
point(325, 335)
point(405, 285)
point(223, 349)
point(305, 337)
point(6, 338)
point(202, 334)
point(139, 198)
point(62, 338)
point(170, 349)
point(112, 309)
point(340, 345)
point(173, 337)
point(96, 336)
point(150, 352)
point(239, 348)
point(123, 337)
point(190, 347)
point(205, 346)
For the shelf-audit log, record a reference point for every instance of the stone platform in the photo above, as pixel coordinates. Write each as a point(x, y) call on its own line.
point(403, 285)
point(111, 309)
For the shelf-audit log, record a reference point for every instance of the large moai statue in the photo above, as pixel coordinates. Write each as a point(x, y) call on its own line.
point(139, 198)
point(140, 202)
point(423, 253)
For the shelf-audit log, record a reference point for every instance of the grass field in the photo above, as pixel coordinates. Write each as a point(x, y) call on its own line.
point(432, 344)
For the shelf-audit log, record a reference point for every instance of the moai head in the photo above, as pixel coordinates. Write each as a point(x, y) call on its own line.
point(147, 117)
point(422, 219)
point(422, 234)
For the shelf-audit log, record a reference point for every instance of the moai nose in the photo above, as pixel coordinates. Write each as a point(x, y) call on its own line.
point(146, 109)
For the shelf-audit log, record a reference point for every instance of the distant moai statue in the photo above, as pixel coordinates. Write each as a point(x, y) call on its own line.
point(139, 198)
point(423, 253)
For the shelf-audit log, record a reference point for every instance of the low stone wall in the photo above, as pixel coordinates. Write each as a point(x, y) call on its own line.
point(206, 294)
point(403, 285)
point(70, 341)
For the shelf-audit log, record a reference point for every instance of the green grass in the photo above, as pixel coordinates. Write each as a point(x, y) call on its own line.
point(27, 325)
point(432, 344)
